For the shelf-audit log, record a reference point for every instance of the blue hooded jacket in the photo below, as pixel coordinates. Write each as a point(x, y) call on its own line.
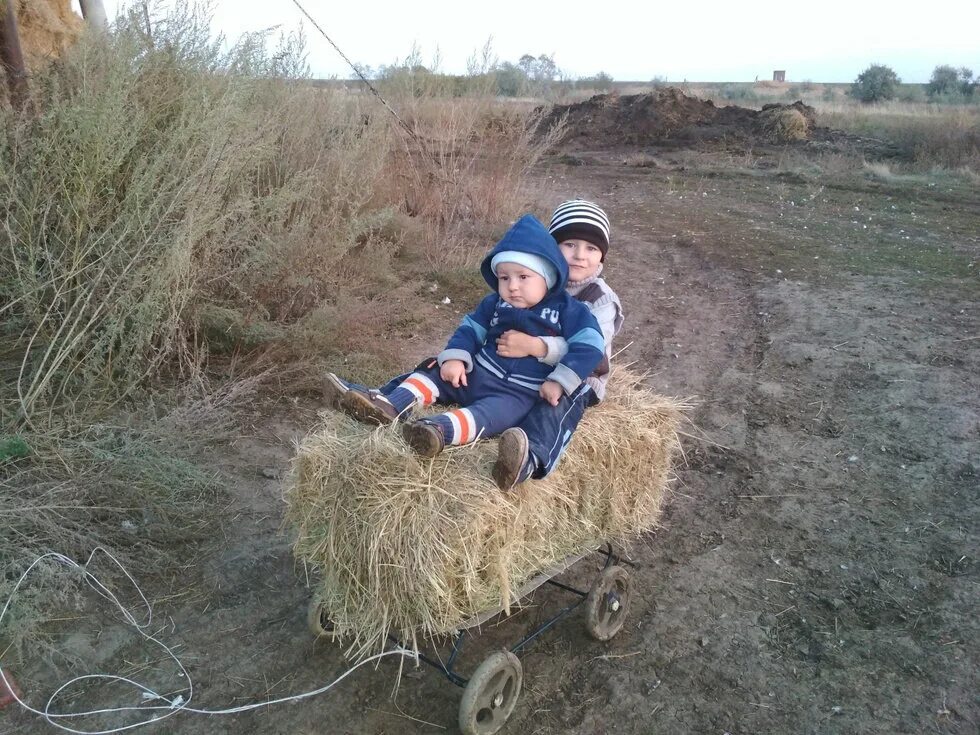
point(557, 315)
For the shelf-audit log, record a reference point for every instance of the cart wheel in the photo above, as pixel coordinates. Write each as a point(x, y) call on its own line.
point(318, 621)
point(491, 694)
point(607, 603)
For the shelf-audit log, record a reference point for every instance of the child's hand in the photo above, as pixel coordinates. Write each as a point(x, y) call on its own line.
point(551, 392)
point(518, 344)
point(453, 372)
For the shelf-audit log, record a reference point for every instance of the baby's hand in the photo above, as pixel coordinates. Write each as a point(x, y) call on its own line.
point(551, 392)
point(453, 372)
point(518, 344)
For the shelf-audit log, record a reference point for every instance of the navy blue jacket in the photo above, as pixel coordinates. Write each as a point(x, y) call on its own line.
point(557, 315)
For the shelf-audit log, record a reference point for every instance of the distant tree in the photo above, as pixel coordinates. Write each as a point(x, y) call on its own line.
point(968, 82)
point(601, 82)
point(366, 70)
point(512, 81)
point(545, 69)
point(948, 82)
point(526, 64)
point(876, 84)
point(541, 72)
point(945, 80)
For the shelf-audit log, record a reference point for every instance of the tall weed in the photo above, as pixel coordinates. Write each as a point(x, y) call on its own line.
point(153, 174)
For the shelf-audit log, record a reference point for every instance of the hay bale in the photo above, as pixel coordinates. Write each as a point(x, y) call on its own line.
point(47, 29)
point(416, 547)
point(784, 124)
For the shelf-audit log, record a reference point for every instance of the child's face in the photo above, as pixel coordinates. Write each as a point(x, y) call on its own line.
point(583, 258)
point(520, 286)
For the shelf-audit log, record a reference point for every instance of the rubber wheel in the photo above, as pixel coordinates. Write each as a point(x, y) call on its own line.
point(607, 603)
point(317, 620)
point(491, 694)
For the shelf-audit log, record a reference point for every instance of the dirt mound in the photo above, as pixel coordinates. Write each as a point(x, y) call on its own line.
point(670, 116)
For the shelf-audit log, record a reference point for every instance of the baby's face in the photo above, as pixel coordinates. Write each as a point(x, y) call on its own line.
point(583, 258)
point(520, 286)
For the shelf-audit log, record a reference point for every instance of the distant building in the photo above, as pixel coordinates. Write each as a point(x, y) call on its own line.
point(779, 75)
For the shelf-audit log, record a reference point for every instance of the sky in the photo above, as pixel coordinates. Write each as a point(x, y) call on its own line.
point(707, 41)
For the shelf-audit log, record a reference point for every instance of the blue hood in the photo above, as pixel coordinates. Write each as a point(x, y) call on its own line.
point(528, 235)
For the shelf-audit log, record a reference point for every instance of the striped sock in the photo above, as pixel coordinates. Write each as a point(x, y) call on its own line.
point(457, 426)
point(415, 389)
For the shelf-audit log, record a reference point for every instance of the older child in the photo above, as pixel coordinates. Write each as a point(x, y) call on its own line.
point(528, 274)
point(533, 449)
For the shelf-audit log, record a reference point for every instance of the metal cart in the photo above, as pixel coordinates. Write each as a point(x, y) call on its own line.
point(490, 693)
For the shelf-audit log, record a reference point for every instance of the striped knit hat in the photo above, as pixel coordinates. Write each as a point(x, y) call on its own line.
point(578, 219)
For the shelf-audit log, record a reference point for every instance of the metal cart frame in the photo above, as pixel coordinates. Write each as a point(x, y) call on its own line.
point(491, 691)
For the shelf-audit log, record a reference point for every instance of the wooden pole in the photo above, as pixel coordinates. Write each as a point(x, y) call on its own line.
point(11, 56)
point(94, 13)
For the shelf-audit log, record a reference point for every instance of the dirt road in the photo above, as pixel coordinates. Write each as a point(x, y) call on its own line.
point(817, 569)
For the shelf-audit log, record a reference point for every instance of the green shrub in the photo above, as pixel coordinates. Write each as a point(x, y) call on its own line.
point(915, 93)
point(736, 92)
point(13, 447)
point(601, 82)
point(511, 81)
point(949, 84)
point(877, 83)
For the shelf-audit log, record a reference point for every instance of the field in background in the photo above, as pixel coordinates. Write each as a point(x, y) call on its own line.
point(929, 134)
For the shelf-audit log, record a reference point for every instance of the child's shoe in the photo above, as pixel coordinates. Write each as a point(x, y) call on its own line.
point(514, 462)
point(334, 390)
point(368, 408)
point(424, 438)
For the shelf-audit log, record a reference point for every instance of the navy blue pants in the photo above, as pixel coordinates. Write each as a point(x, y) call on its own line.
point(489, 405)
point(548, 428)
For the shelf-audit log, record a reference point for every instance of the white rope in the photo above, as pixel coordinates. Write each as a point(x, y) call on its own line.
point(162, 711)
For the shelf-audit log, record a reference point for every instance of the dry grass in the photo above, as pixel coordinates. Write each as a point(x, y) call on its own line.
point(135, 486)
point(168, 179)
point(416, 547)
point(784, 125)
point(929, 134)
point(164, 200)
point(154, 182)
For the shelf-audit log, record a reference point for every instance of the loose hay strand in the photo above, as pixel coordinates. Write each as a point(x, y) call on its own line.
point(416, 547)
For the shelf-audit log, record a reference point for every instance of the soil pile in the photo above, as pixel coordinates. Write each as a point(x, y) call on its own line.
point(670, 116)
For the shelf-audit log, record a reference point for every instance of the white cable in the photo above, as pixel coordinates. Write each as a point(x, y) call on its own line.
point(173, 706)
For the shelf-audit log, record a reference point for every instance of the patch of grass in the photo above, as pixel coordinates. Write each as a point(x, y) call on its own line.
point(130, 490)
point(823, 224)
point(929, 134)
point(464, 286)
point(13, 447)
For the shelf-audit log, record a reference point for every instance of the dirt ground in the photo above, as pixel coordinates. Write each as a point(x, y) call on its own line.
point(817, 567)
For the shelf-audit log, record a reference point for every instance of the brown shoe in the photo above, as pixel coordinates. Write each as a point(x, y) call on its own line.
point(425, 439)
point(368, 408)
point(513, 464)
